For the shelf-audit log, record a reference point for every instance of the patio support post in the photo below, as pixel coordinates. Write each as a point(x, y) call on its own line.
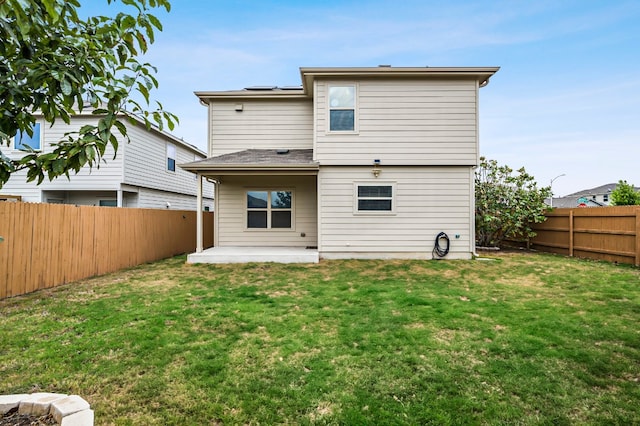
point(119, 203)
point(199, 213)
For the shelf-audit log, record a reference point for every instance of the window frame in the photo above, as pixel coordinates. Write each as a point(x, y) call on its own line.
point(40, 137)
point(268, 209)
point(356, 198)
point(168, 164)
point(108, 202)
point(356, 90)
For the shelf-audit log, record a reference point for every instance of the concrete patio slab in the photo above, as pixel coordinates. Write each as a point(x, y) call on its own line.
point(237, 254)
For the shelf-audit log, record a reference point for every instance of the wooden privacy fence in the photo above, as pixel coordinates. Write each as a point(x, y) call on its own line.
point(45, 245)
point(602, 233)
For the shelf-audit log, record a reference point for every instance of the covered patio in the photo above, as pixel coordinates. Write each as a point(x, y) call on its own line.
point(265, 207)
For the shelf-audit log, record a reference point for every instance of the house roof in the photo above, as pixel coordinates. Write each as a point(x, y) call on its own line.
point(308, 75)
point(602, 189)
point(573, 201)
point(598, 190)
point(481, 74)
point(288, 160)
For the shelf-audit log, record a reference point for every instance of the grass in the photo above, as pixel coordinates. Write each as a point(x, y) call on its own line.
point(523, 339)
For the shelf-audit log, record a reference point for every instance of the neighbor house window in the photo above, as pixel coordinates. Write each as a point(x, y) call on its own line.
point(605, 198)
point(370, 197)
point(171, 157)
point(24, 141)
point(269, 209)
point(342, 108)
point(108, 203)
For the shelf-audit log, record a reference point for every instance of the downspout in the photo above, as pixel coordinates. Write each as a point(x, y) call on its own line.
point(472, 181)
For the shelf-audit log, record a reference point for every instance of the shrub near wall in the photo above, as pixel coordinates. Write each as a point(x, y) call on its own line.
point(45, 245)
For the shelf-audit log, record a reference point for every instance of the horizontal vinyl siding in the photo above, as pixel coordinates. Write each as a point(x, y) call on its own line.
point(403, 122)
point(105, 177)
point(146, 164)
point(83, 198)
point(232, 212)
point(154, 199)
point(18, 185)
point(262, 124)
point(428, 200)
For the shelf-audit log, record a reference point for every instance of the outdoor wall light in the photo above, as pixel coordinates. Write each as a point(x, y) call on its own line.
point(376, 168)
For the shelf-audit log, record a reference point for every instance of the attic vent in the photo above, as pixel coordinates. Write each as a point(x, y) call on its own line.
point(384, 66)
point(282, 151)
point(290, 88)
point(260, 88)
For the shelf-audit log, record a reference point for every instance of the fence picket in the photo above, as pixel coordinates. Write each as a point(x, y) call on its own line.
point(46, 245)
point(601, 233)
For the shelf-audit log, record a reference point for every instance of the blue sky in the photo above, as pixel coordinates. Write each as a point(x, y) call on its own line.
point(566, 100)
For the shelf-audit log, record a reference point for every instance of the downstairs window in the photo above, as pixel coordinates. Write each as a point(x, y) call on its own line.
point(374, 198)
point(269, 209)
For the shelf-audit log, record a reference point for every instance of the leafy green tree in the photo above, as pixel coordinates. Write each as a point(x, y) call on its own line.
point(55, 64)
point(625, 195)
point(507, 204)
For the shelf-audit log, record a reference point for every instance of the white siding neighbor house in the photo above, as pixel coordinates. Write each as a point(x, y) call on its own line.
point(142, 174)
point(356, 163)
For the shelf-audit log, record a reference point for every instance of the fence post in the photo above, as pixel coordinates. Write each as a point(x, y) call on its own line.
point(571, 233)
point(637, 212)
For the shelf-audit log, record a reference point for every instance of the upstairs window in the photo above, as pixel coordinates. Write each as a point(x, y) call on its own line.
point(171, 157)
point(23, 141)
point(269, 209)
point(374, 198)
point(342, 108)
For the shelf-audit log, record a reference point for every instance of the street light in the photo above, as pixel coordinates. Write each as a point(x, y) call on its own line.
point(551, 188)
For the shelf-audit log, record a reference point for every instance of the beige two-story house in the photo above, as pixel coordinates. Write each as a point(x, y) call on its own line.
point(356, 163)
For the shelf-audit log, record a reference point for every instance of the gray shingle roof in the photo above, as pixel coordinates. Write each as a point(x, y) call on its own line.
point(259, 158)
point(603, 189)
point(599, 190)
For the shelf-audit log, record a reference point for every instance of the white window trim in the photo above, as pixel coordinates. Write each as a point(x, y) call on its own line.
point(356, 105)
point(167, 157)
point(269, 229)
point(394, 196)
point(41, 149)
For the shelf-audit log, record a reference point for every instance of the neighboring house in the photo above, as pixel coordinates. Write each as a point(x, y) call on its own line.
point(358, 162)
point(143, 174)
point(595, 197)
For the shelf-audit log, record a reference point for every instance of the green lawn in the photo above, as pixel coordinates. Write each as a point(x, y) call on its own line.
point(522, 339)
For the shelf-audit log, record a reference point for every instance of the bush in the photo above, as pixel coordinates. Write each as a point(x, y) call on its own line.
point(507, 204)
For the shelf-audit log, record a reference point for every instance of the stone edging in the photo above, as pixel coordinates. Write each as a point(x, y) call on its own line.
point(67, 410)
